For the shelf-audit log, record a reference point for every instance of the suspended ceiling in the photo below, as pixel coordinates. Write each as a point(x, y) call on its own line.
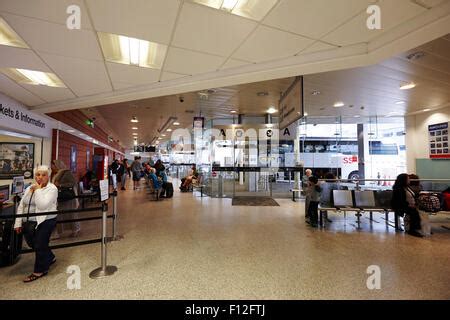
point(206, 47)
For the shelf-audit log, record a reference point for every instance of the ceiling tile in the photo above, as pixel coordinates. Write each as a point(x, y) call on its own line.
point(12, 89)
point(50, 94)
point(198, 62)
point(84, 77)
point(313, 18)
point(170, 76)
point(209, 30)
point(55, 38)
point(151, 20)
point(233, 63)
point(49, 10)
point(123, 75)
point(269, 44)
point(12, 57)
point(393, 13)
point(318, 46)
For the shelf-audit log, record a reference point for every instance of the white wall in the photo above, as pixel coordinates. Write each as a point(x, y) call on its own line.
point(417, 135)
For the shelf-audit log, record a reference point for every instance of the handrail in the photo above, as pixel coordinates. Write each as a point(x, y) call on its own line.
point(24, 215)
point(381, 180)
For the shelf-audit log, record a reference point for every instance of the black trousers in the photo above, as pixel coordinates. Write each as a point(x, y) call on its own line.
point(39, 242)
point(414, 219)
point(312, 212)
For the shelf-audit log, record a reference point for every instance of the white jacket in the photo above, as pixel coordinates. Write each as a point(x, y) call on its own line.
point(46, 200)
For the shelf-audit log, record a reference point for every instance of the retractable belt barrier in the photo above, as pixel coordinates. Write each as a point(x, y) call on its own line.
point(104, 270)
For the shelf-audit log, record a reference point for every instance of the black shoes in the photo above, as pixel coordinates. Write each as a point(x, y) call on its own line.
point(415, 234)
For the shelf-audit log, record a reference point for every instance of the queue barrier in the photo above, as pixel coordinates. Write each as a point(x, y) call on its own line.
point(104, 270)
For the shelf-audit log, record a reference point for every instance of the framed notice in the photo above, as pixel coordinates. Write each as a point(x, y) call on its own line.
point(18, 184)
point(104, 189)
point(73, 159)
point(16, 159)
point(438, 140)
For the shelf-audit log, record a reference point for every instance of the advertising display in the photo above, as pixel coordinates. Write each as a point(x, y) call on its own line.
point(16, 159)
point(18, 184)
point(438, 140)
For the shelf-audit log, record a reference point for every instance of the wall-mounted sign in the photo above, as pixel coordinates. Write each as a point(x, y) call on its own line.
point(438, 140)
point(16, 159)
point(18, 184)
point(16, 117)
point(290, 107)
point(73, 159)
point(199, 122)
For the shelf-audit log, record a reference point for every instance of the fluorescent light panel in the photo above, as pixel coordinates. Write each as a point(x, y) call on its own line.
point(9, 37)
point(132, 51)
point(252, 9)
point(34, 77)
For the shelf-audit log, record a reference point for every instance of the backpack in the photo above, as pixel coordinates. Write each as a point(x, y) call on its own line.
point(429, 202)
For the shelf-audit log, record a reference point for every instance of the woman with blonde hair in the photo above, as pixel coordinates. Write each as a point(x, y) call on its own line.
point(40, 197)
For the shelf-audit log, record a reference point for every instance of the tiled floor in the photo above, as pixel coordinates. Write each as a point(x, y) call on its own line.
point(201, 248)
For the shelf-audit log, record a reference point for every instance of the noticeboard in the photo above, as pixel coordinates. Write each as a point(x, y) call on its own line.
point(438, 140)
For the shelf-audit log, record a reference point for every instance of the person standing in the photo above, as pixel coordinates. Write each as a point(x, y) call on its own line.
point(124, 172)
point(40, 197)
point(136, 169)
point(313, 192)
point(66, 183)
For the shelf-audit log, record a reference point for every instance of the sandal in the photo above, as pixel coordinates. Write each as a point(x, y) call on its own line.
point(32, 277)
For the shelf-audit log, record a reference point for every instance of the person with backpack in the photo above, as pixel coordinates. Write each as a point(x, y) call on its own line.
point(404, 204)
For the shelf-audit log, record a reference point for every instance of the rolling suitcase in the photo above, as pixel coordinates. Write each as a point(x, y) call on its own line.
point(169, 190)
point(10, 244)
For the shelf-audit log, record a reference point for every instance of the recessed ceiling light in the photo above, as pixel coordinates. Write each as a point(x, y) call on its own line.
point(126, 50)
point(134, 128)
point(356, 116)
point(160, 138)
point(9, 37)
point(400, 102)
point(262, 93)
point(251, 9)
point(134, 119)
point(169, 130)
point(135, 134)
point(338, 104)
point(415, 55)
point(425, 110)
point(34, 77)
point(233, 111)
point(271, 110)
point(176, 123)
point(407, 86)
point(71, 131)
point(163, 135)
point(306, 114)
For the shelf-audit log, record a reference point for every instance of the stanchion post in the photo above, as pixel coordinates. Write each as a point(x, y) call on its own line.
point(115, 236)
point(104, 270)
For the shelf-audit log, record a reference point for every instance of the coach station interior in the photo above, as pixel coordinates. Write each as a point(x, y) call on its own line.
point(253, 93)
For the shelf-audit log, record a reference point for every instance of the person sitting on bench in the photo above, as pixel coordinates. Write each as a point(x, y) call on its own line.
point(189, 179)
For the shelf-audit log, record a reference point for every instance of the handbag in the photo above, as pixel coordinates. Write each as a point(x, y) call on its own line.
point(66, 194)
point(29, 227)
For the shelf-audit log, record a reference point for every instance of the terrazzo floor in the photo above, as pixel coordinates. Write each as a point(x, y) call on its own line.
point(190, 247)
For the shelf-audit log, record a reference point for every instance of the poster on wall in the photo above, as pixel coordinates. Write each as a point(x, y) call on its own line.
point(88, 159)
point(16, 159)
point(73, 159)
point(438, 140)
point(18, 184)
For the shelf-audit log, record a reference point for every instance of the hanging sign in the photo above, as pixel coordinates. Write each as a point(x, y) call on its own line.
point(291, 104)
